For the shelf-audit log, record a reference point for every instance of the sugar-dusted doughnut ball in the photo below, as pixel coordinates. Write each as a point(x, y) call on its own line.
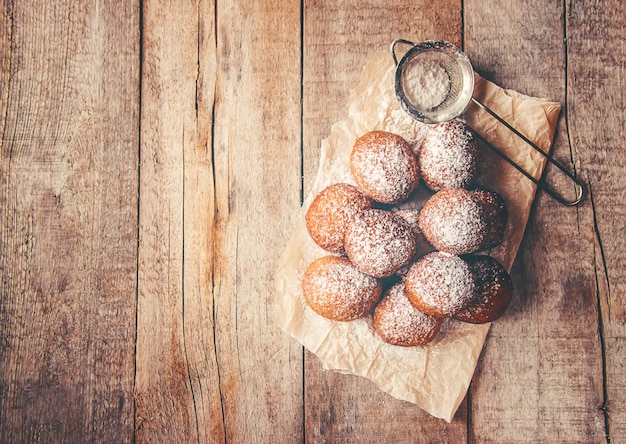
point(378, 242)
point(440, 284)
point(398, 322)
point(330, 213)
point(449, 156)
point(335, 289)
point(384, 167)
point(459, 221)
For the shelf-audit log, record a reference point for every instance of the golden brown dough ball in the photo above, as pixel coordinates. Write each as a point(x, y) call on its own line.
point(449, 156)
point(459, 221)
point(384, 167)
point(398, 322)
point(330, 213)
point(379, 243)
point(494, 290)
point(440, 284)
point(335, 289)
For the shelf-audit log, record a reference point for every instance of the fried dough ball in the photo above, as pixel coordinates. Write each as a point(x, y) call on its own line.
point(379, 243)
point(440, 284)
point(398, 322)
point(449, 156)
point(459, 221)
point(330, 213)
point(335, 289)
point(384, 167)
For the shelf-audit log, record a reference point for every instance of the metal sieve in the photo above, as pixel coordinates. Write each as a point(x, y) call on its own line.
point(443, 59)
point(434, 82)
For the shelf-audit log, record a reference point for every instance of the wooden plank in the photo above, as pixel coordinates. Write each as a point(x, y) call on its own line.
point(177, 383)
point(69, 77)
point(595, 35)
point(540, 376)
point(339, 39)
point(257, 152)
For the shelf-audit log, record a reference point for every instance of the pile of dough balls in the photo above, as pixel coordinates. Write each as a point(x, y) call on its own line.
point(410, 269)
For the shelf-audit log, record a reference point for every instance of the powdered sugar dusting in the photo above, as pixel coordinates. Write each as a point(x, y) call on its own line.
point(330, 213)
point(379, 243)
point(426, 84)
point(384, 166)
point(411, 216)
point(398, 322)
point(449, 156)
point(422, 247)
point(440, 284)
point(453, 221)
point(494, 290)
point(334, 288)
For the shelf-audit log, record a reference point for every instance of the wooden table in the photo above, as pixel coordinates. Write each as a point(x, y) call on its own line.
point(154, 157)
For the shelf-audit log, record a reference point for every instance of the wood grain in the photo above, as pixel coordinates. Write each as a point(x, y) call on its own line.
point(540, 376)
point(153, 158)
point(596, 87)
point(177, 381)
point(339, 39)
point(69, 106)
point(257, 158)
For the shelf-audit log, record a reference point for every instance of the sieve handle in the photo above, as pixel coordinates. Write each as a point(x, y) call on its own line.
point(578, 184)
point(395, 43)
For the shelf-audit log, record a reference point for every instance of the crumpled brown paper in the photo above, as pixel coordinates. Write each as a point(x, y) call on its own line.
point(435, 376)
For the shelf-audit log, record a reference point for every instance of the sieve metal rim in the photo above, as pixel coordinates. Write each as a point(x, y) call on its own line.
point(442, 46)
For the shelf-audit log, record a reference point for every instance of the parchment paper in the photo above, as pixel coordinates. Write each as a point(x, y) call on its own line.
point(435, 376)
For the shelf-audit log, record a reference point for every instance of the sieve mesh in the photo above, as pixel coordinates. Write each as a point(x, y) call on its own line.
point(446, 84)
